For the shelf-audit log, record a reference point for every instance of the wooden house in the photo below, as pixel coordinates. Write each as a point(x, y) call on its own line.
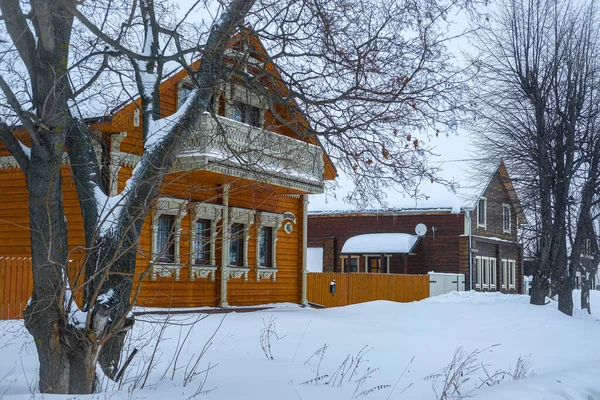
point(471, 231)
point(235, 198)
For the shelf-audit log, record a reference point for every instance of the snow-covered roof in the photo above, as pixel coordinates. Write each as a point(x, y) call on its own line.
point(380, 243)
point(466, 178)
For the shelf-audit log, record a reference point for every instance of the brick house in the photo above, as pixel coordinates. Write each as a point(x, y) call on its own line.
point(488, 216)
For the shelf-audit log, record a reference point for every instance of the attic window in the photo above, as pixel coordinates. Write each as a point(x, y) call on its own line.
point(245, 114)
point(506, 218)
point(481, 212)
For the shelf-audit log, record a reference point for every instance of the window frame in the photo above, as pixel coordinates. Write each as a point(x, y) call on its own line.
point(178, 209)
point(478, 273)
point(240, 240)
point(493, 273)
point(486, 273)
point(168, 256)
point(239, 94)
point(504, 283)
point(265, 239)
point(484, 223)
point(214, 214)
point(512, 280)
point(274, 222)
point(506, 210)
point(207, 235)
point(350, 258)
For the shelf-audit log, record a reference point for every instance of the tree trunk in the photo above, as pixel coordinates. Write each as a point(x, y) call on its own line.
point(539, 289)
point(82, 354)
point(565, 295)
point(586, 285)
point(45, 314)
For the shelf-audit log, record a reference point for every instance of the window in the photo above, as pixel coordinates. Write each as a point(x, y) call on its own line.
point(504, 274)
point(236, 245)
point(478, 272)
point(246, 114)
point(506, 218)
point(481, 211)
point(350, 264)
point(265, 249)
point(165, 243)
point(485, 269)
point(203, 234)
point(492, 262)
point(166, 232)
point(267, 225)
point(202, 242)
point(511, 273)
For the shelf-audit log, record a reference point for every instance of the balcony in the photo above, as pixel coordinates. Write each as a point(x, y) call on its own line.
point(232, 148)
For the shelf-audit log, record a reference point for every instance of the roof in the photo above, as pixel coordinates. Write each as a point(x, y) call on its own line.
point(380, 243)
point(463, 178)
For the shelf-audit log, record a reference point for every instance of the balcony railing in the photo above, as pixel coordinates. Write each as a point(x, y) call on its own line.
point(237, 149)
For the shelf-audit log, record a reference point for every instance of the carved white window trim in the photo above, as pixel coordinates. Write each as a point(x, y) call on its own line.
point(246, 218)
point(273, 221)
point(214, 214)
point(177, 208)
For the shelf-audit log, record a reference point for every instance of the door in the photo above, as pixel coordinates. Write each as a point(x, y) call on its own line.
point(374, 265)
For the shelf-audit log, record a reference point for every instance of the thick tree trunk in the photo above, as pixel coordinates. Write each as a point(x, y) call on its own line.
point(82, 354)
point(45, 314)
point(565, 295)
point(539, 289)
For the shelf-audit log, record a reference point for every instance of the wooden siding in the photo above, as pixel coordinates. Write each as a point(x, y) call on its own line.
point(166, 292)
point(16, 284)
point(359, 288)
point(435, 252)
point(498, 193)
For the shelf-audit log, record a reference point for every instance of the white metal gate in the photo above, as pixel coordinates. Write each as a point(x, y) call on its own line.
point(445, 283)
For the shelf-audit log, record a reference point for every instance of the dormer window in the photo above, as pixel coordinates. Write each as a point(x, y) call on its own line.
point(245, 114)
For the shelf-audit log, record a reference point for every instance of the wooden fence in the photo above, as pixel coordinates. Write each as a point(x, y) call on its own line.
point(358, 288)
point(16, 284)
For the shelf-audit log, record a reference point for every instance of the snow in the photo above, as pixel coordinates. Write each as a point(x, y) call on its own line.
point(314, 259)
point(564, 352)
point(380, 243)
point(109, 209)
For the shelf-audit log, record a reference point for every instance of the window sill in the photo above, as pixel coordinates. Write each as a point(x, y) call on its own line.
point(266, 273)
point(165, 270)
point(202, 271)
point(235, 272)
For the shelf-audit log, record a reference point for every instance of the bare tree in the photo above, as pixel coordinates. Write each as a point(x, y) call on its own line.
point(364, 75)
point(538, 111)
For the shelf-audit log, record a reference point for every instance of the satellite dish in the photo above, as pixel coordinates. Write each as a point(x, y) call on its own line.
point(421, 229)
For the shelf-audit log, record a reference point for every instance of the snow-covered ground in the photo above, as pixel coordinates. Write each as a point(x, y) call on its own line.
point(397, 347)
